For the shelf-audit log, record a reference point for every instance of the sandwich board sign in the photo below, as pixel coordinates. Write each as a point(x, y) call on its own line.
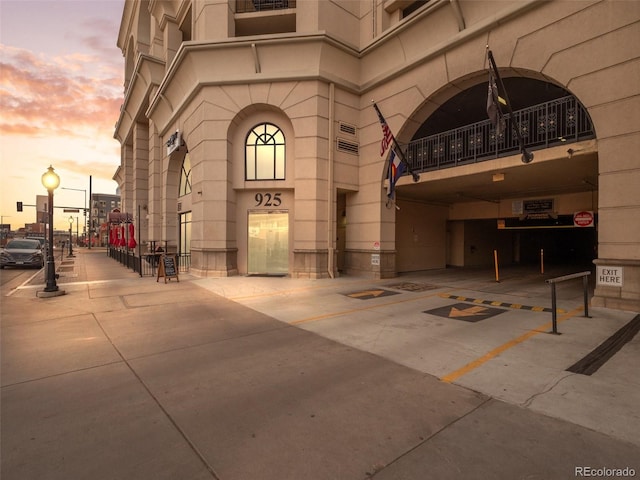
point(168, 268)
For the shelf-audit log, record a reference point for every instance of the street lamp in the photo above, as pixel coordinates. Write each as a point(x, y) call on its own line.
point(50, 180)
point(71, 236)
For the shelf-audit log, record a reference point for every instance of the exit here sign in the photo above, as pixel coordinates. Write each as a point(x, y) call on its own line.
point(609, 276)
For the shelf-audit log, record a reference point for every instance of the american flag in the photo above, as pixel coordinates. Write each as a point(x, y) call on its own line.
point(387, 136)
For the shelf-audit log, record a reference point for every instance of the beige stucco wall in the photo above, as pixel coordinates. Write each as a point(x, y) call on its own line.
point(213, 86)
point(421, 237)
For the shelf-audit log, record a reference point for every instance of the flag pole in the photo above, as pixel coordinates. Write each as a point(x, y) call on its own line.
point(403, 159)
point(527, 156)
point(398, 150)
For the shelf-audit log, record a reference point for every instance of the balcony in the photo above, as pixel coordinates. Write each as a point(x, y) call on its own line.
point(264, 17)
point(556, 122)
point(246, 6)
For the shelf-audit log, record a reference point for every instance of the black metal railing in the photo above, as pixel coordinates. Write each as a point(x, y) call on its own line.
point(146, 264)
point(245, 6)
point(556, 122)
point(184, 262)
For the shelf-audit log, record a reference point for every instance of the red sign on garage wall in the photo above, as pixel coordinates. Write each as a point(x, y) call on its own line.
point(583, 219)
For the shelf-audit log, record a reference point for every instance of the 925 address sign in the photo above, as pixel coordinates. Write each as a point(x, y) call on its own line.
point(268, 199)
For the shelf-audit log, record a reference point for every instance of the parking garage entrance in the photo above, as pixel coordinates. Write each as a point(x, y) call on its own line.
point(475, 195)
point(559, 243)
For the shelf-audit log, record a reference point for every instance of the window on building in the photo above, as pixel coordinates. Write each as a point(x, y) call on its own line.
point(265, 153)
point(413, 7)
point(185, 176)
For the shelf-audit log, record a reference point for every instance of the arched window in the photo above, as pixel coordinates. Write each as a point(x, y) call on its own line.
point(265, 153)
point(185, 176)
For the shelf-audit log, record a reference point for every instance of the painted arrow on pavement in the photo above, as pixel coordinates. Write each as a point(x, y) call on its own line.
point(373, 293)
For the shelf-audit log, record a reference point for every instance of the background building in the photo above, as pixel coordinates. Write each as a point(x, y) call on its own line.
point(249, 138)
point(101, 205)
point(5, 233)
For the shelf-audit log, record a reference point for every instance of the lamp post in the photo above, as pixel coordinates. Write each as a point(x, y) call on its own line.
point(71, 236)
point(50, 180)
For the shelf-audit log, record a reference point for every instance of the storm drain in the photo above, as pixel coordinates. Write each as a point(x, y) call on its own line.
point(412, 287)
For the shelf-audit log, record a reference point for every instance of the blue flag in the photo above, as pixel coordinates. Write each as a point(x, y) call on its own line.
point(396, 170)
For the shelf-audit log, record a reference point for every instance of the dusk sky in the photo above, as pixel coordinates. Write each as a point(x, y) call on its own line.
point(61, 87)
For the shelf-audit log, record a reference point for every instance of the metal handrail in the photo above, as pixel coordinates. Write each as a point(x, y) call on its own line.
point(564, 278)
point(146, 264)
point(555, 122)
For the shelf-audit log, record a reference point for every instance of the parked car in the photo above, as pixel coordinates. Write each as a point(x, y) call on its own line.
point(43, 244)
point(22, 252)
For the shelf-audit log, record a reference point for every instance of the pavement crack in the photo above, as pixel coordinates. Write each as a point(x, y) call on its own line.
point(214, 342)
point(157, 401)
point(60, 374)
point(424, 440)
point(527, 403)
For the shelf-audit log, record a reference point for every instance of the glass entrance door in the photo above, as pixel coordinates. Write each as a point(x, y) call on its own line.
point(268, 243)
point(185, 233)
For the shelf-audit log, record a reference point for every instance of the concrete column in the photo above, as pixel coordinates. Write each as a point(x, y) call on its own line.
point(155, 186)
point(126, 194)
point(311, 190)
point(172, 39)
point(141, 176)
point(213, 19)
point(213, 226)
point(618, 235)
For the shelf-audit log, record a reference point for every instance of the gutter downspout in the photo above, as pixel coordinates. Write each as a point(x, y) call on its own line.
point(330, 189)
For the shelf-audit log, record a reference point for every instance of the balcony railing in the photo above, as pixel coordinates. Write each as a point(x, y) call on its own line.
point(556, 122)
point(245, 6)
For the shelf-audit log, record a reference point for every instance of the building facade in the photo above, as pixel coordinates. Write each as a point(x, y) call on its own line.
point(249, 137)
point(101, 205)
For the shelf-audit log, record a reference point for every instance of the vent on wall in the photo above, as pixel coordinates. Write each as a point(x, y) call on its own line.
point(347, 128)
point(347, 146)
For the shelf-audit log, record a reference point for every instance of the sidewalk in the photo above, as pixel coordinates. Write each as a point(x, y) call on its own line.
point(276, 378)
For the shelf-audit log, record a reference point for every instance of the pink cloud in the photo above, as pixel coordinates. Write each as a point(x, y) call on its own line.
point(96, 168)
point(59, 95)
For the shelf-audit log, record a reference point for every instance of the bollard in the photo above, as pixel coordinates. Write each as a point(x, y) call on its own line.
point(495, 261)
point(554, 311)
point(542, 260)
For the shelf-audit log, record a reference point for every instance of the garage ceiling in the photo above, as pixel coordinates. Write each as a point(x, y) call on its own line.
point(566, 174)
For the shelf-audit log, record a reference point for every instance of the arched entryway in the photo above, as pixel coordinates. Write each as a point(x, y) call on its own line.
point(479, 197)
